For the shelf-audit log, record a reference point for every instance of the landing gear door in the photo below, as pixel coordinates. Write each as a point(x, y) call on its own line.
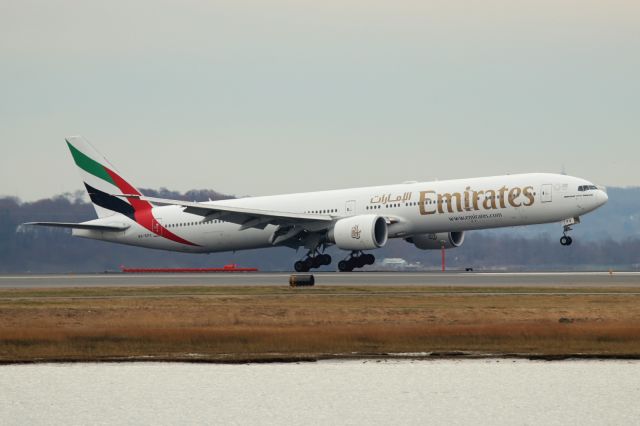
point(350, 208)
point(546, 193)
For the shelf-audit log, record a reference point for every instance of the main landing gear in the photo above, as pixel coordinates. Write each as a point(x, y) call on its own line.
point(311, 261)
point(356, 259)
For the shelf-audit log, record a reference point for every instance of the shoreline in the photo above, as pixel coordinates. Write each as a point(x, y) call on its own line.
point(450, 356)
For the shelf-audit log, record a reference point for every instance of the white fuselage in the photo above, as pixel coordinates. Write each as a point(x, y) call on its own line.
point(411, 208)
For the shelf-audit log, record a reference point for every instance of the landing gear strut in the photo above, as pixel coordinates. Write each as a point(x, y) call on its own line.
point(356, 259)
point(312, 260)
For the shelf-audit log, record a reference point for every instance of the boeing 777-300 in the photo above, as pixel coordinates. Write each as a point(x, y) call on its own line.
point(429, 215)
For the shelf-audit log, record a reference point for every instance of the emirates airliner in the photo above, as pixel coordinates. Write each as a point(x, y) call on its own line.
point(429, 215)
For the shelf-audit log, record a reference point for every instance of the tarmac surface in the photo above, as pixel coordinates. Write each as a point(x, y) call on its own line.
point(434, 279)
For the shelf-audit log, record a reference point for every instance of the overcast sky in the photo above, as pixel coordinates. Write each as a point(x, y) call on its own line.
point(264, 97)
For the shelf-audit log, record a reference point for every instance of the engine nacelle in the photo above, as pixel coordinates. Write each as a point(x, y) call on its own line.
point(436, 241)
point(364, 232)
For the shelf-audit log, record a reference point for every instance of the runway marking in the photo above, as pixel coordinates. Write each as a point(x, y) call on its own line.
point(374, 279)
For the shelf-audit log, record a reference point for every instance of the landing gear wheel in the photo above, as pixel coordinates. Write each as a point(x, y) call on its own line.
point(566, 240)
point(345, 266)
point(312, 260)
point(317, 261)
point(326, 259)
point(300, 266)
point(356, 259)
point(308, 263)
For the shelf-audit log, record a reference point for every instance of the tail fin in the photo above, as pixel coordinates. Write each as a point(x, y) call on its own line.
point(102, 182)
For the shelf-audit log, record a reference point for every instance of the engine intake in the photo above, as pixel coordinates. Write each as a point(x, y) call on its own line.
point(364, 232)
point(436, 241)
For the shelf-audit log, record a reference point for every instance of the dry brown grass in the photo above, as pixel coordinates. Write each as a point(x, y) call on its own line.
point(219, 325)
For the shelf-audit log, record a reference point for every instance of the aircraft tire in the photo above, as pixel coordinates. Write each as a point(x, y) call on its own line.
point(300, 266)
point(345, 266)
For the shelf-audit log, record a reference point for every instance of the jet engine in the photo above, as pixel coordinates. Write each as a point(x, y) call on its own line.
point(364, 232)
point(436, 241)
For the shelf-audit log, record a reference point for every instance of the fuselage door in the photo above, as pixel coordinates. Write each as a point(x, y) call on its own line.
point(350, 208)
point(546, 193)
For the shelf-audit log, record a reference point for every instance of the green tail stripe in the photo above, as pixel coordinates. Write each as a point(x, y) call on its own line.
point(89, 165)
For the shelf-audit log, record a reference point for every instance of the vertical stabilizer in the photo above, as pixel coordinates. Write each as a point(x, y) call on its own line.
point(102, 181)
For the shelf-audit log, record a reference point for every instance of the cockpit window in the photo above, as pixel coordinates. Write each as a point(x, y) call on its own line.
point(581, 188)
point(587, 188)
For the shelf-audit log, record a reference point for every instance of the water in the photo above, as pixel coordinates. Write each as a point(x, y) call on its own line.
point(331, 392)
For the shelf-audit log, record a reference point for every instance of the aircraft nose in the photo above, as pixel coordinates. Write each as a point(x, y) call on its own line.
point(602, 197)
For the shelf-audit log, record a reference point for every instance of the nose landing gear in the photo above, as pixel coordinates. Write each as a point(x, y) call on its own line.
point(566, 227)
point(566, 240)
point(356, 259)
point(311, 261)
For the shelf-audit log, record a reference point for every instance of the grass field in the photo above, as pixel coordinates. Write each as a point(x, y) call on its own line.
point(267, 323)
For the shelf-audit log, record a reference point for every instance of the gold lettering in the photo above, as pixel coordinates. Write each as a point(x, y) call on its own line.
point(489, 200)
point(528, 193)
point(476, 199)
point(472, 200)
point(467, 202)
point(502, 200)
point(513, 194)
point(423, 202)
point(448, 198)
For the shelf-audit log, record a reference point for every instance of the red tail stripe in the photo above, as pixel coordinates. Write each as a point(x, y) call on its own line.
point(143, 210)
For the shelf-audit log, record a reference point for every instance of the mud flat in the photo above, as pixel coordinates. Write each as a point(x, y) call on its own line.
point(268, 323)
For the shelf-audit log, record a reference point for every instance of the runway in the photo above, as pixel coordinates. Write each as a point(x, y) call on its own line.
point(434, 279)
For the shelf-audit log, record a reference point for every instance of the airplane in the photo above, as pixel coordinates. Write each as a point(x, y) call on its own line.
point(429, 215)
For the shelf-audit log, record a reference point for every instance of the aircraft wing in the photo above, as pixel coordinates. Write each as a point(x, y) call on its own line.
point(87, 226)
point(289, 224)
point(208, 209)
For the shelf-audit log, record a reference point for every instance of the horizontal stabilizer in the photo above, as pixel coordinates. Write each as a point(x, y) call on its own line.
point(87, 226)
